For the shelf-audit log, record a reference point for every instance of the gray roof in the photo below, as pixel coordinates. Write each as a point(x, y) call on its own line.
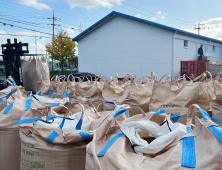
point(114, 13)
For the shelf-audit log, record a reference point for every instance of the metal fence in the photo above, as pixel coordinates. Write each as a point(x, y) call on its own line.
point(58, 71)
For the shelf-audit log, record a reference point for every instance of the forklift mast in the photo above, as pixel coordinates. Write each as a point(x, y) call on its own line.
point(11, 59)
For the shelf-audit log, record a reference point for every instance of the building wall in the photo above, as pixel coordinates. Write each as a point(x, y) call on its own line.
point(124, 46)
point(190, 53)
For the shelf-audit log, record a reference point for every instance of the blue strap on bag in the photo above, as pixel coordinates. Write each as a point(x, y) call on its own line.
point(8, 108)
point(40, 93)
point(51, 93)
point(79, 124)
point(160, 112)
point(109, 144)
point(123, 109)
point(113, 139)
point(52, 105)
point(85, 135)
point(24, 121)
point(66, 94)
point(188, 150)
point(7, 96)
point(112, 103)
point(188, 158)
point(119, 112)
point(54, 134)
point(127, 112)
point(216, 130)
point(28, 103)
point(176, 117)
point(216, 120)
point(63, 107)
point(12, 83)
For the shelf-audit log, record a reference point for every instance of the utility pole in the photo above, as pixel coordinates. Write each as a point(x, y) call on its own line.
point(53, 24)
point(80, 28)
point(53, 28)
point(198, 27)
point(53, 19)
point(36, 44)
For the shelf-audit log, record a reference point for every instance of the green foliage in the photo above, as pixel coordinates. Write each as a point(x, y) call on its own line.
point(62, 48)
point(75, 61)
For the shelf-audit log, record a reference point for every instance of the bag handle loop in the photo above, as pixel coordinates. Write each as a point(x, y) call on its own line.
point(73, 78)
point(141, 79)
point(55, 77)
point(121, 111)
point(79, 78)
point(129, 75)
point(166, 75)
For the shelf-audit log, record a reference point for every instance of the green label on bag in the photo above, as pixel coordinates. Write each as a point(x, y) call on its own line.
point(27, 144)
point(26, 165)
point(168, 106)
point(109, 109)
point(27, 152)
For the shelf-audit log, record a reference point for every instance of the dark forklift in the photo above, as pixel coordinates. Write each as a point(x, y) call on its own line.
point(12, 62)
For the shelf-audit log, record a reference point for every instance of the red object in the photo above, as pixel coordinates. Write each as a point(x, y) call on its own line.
point(193, 68)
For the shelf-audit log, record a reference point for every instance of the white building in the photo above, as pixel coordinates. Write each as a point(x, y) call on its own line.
point(124, 44)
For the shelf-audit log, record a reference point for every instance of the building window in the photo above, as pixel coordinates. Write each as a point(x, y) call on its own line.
point(185, 43)
point(213, 48)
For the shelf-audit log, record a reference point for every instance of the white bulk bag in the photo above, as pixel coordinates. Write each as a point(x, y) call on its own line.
point(32, 70)
point(165, 134)
point(69, 124)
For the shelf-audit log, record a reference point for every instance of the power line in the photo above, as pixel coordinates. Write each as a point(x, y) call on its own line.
point(21, 16)
point(30, 29)
point(151, 15)
point(25, 23)
point(15, 8)
point(37, 23)
point(10, 4)
point(5, 24)
point(66, 14)
point(29, 23)
point(62, 13)
point(68, 23)
point(25, 35)
point(154, 13)
point(10, 17)
point(148, 13)
point(198, 27)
